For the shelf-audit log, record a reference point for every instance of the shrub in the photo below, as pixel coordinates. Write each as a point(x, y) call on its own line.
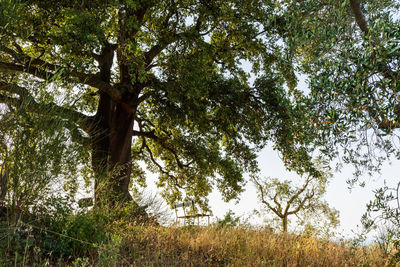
point(52, 231)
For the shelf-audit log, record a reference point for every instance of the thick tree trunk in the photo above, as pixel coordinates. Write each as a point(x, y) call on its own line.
point(111, 151)
point(111, 142)
point(101, 144)
point(119, 160)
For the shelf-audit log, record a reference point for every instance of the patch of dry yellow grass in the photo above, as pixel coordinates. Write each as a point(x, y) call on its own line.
point(212, 246)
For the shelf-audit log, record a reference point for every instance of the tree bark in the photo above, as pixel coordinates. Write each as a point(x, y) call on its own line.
point(101, 144)
point(111, 151)
point(111, 141)
point(120, 164)
point(359, 16)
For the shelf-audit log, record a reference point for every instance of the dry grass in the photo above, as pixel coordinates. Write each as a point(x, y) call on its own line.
point(212, 246)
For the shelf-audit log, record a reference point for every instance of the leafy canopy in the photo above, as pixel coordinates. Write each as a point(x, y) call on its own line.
point(177, 66)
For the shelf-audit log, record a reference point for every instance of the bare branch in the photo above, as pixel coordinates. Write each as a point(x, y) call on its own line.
point(262, 193)
point(295, 196)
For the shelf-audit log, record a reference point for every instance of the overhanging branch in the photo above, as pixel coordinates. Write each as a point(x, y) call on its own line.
point(50, 109)
point(153, 160)
point(157, 139)
point(93, 80)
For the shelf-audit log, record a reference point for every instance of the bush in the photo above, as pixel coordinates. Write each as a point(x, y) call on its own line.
point(53, 232)
point(229, 220)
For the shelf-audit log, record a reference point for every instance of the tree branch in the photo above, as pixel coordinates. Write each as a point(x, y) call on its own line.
point(157, 48)
point(359, 16)
point(93, 80)
point(277, 203)
point(171, 37)
point(261, 190)
point(301, 205)
point(152, 136)
point(159, 166)
point(50, 109)
point(23, 58)
point(361, 21)
point(153, 52)
point(295, 196)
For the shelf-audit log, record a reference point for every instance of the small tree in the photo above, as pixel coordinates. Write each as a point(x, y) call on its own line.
point(284, 199)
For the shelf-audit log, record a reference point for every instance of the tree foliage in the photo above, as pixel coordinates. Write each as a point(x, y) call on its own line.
point(383, 215)
point(163, 83)
point(36, 159)
point(350, 52)
point(159, 82)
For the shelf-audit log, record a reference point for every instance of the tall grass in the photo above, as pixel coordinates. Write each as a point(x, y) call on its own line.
point(214, 246)
point(96, 240)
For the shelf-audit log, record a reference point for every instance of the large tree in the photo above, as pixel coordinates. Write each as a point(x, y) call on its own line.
point(156, 81)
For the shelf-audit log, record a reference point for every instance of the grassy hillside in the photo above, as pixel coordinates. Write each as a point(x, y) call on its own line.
point(91, 241)
point(213, 246)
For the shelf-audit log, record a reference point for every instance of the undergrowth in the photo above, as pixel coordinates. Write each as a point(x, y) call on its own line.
point(56, 235)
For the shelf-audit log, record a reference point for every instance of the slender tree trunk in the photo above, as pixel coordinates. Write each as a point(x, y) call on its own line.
point(284, 224)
